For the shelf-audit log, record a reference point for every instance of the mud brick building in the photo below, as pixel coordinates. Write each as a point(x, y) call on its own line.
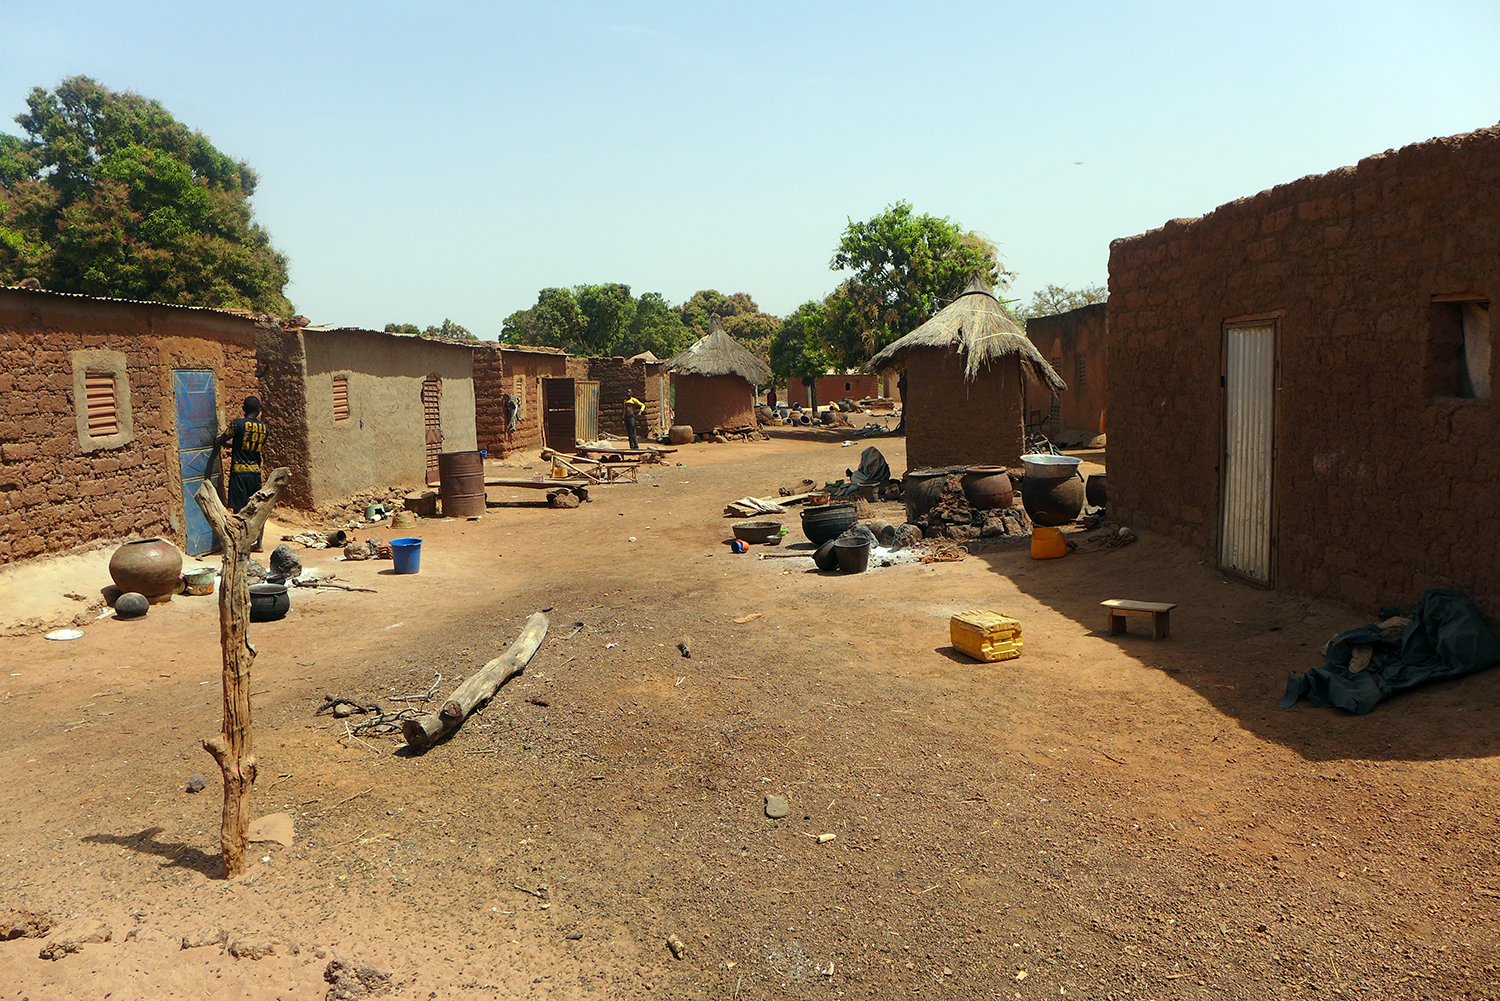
point(108, 413)
point(618, 380)
point(355, 410)
point(965, 374)
point(714, 383)
point(1073, 343)
point(1300, 380)
point(508, 371)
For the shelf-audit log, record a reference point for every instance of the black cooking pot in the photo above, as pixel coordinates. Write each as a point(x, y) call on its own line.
point(269, 602)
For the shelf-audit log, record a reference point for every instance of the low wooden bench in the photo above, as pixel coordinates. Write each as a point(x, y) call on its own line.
point(1122, 610)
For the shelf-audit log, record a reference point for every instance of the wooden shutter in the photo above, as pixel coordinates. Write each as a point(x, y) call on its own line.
point(340, 398)
point(103, 409)
point(432, 394)
point(1081, 368)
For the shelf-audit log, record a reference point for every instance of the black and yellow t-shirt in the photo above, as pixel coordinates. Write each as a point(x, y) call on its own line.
point(249, 437)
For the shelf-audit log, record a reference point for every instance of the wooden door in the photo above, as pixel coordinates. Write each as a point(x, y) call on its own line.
point(559, 404)
point(432, 422)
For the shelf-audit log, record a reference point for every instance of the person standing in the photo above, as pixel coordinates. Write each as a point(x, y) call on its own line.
point(633, 409)
point(771, 397)
point(246, 437)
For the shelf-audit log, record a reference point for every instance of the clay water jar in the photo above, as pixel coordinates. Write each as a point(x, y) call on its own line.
point(147, 566)
point(988, 487)
point(1097, 490)
point(922, 488)
point(1052, 491)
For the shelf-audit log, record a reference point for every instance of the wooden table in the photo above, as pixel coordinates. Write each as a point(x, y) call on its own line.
point(1121, 610)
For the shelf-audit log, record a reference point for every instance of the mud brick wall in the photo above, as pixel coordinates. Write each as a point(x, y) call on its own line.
point(707, 402)
point(619, 379)
point(495, 371)
point(1383, 485)
point(833, 388)
point(1076, 337)
point(281, 370)
point(57, 491)
point(950, 421)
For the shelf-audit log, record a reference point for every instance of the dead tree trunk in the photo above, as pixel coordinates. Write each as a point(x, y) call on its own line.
point(231, 748)
point(424, 731)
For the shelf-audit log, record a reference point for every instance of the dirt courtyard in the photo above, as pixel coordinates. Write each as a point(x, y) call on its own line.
point(1107, 817)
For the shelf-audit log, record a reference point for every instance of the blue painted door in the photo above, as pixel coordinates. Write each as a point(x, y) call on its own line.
point(197, 427)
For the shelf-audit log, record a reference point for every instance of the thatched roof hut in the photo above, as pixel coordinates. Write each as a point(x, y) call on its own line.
point(716, 353)
point(964, 398)
point(714, 382)
point(977, 326)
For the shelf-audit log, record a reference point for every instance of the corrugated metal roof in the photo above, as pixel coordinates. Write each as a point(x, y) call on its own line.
point(50, 294)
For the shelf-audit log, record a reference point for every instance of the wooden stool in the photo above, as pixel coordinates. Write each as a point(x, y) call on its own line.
point(1121, 611)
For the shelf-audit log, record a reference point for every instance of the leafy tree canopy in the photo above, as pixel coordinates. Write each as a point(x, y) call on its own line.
point(740, 316)
point(1059, 299)
point(905, 267)
point(599, 320)
point(109, 195)
point(448, 331)
point(800, 346)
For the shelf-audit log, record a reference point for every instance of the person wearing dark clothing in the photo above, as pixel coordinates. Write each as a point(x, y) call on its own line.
point(246, 437)
point(633, 409)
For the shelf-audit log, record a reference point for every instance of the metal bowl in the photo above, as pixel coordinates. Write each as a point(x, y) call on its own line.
point(758, 533)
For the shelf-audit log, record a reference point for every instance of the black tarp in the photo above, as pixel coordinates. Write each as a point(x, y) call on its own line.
point(1446, 638)
point(872, 469)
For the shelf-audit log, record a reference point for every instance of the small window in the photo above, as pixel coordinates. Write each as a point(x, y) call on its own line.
point(518, 393)
point(340, 398)
point(848, 386)
point(102, 403)
point(1081, 370)
point(1458, 350)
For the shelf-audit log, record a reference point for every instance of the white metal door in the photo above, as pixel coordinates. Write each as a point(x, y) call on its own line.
point(1245, 534)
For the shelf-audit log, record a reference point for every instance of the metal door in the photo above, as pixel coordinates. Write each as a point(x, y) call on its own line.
point(197, 408)
point(559, 426)
point(586, 410)
point(1246, 538)
point(432, 422)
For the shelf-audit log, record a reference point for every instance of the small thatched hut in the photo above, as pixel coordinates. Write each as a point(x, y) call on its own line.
point(714, 383)
point(964, 401)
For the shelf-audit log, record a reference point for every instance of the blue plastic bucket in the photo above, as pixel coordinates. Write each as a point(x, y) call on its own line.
point(407, 555)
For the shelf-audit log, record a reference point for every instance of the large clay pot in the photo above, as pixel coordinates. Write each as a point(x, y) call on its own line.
point(922, 488)
point(988, 487)
point(1096, 490)
point(147, 566)
point(680, 434)
point(824, 524)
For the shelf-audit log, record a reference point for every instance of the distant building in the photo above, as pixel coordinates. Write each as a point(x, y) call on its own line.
point(1073, 343)
point(108, 413)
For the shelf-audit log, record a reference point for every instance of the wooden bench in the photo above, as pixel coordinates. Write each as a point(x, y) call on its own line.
point(1122, 610)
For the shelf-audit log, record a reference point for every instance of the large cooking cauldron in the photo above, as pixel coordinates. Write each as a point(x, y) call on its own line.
point(1052, 491)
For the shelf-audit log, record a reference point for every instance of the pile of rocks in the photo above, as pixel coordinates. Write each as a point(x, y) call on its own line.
point(953, 517)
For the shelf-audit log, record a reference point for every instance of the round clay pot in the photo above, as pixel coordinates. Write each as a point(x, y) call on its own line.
point(680, 434)
point(1097, 490)
point(147, 566)
point(268, 602)
point(824, 558)
point(131, 605)
point(1052, 500)
point(922, 488)
point(988, 487)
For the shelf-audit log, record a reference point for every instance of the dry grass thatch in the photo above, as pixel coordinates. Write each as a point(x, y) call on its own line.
point(719, 354)
point(977, 327)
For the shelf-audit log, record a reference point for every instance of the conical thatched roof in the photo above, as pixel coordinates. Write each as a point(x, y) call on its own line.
point(646, 356)
point(977, 327)
point(719, 354)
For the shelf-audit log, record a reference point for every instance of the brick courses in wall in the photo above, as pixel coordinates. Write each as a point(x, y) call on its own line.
point(950, 421)
point(497, 369)
point(1074, 344)
point(1384, 482)
point(58, 488)
point(707, 402)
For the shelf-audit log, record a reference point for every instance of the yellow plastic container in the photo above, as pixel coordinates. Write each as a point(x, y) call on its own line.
point(1047, 543)
point(986, 636)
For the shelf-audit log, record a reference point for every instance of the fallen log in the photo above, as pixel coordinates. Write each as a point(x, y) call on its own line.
point(426, 730)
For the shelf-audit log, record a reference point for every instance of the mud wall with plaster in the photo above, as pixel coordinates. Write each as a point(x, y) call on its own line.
point(833, 388)
point(502, 371)
point(1074, 344)
point(707, 402)
point(382, 443)
point(950, 421)
point(1383, 478)
point(60, 485)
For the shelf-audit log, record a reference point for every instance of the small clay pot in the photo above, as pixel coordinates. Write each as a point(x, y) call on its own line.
point(824, 558)
point(147, 566)
point(131, 605)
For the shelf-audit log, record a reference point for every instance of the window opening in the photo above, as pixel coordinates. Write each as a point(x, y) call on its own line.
point(102, 405)
point(340, 398)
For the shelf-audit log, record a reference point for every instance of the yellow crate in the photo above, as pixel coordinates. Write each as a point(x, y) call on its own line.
point(986, 636)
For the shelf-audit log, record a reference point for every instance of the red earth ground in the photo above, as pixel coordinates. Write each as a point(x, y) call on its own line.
point(1107, 817)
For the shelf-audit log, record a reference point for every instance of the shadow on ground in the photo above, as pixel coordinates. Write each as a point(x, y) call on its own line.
point(179, 855)
point(1234, 644)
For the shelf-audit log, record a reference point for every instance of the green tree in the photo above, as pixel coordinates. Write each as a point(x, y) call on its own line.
point(905, 267)
point(448, 331)
point(1059, 299)
point(599, 320)
point(800, 349)
point(402, 328)
point(741, 317)
point(606, 312)
point(109, 195)
point(656, 327)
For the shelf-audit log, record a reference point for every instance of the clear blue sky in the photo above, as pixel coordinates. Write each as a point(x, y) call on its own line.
point(422, 161)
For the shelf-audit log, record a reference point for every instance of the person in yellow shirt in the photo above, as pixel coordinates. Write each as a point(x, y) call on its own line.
point(633, 409)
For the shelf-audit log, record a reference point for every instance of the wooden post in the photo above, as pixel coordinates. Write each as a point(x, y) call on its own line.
point(231, 748)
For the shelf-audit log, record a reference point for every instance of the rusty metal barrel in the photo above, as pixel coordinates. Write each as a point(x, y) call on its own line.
point(461, 484)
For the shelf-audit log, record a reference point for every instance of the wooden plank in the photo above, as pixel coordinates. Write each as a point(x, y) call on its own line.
point(1138, 607)
point(537, 484)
